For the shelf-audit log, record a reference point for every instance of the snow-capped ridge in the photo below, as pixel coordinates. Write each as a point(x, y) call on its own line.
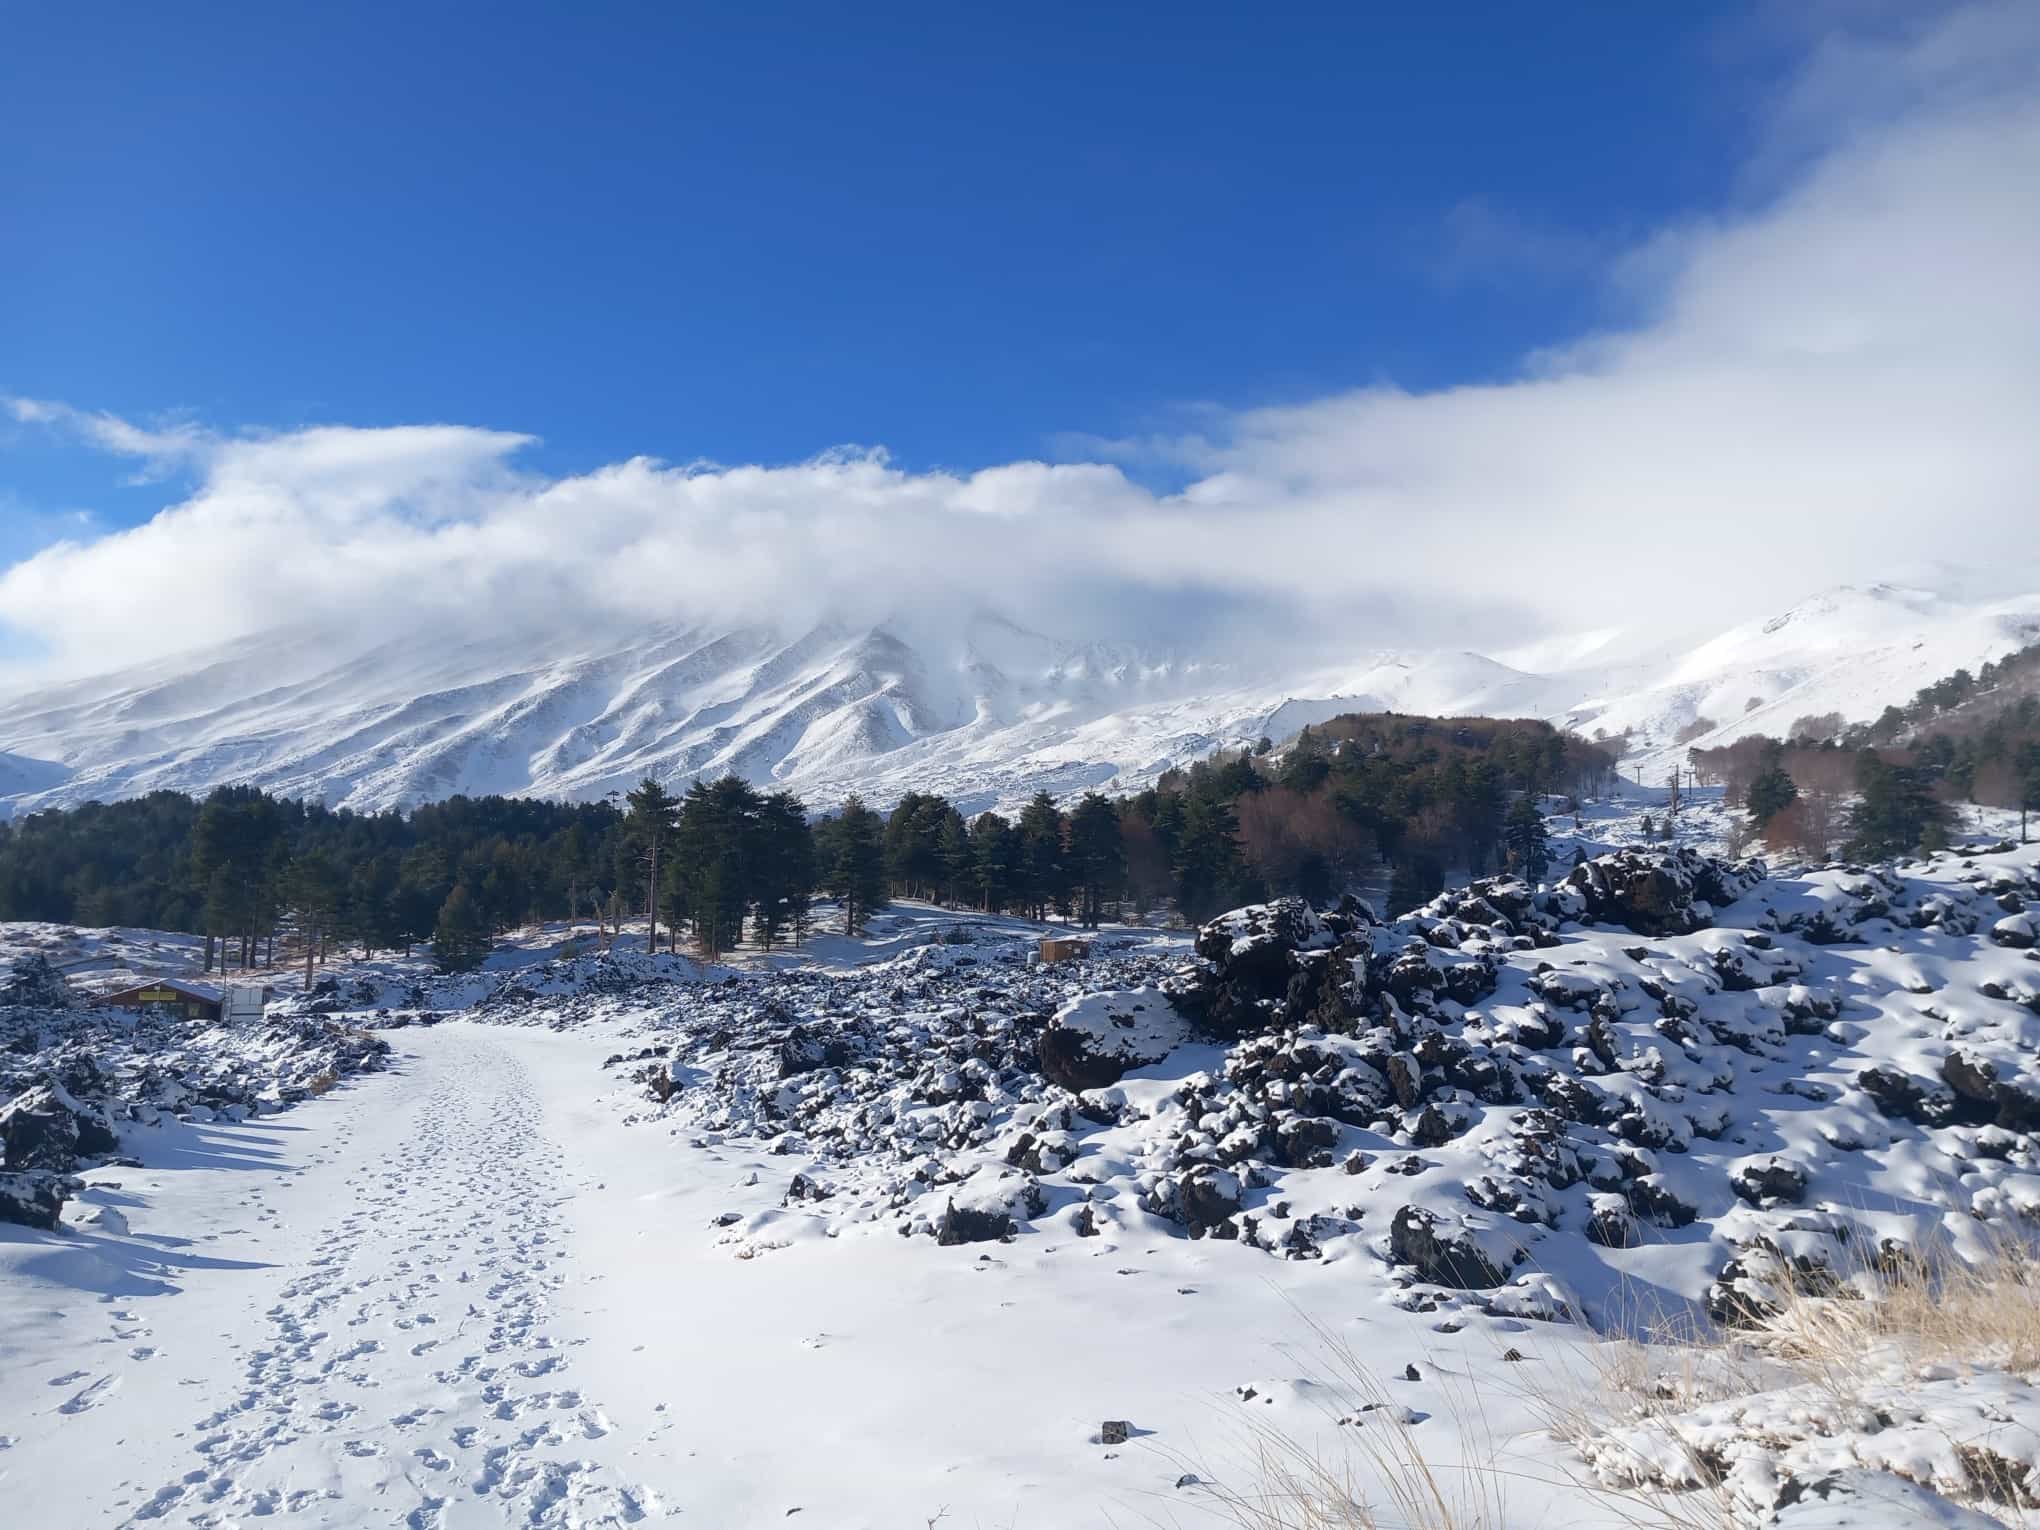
point(984, 709)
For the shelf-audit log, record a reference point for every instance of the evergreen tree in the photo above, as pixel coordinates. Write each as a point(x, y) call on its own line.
point(460, 936)
point(235, 845)
point(1896, 811)
point(856, 865)
point(1044, 878)
point(913, 845)
point(1529, 843)
point(313, 890)
point(784, 879)
point(1206, 860)
point(716, 858)
point(995, 862)
point(653, 819)
point(958, 861)
point(1769, 795)
point(1096, 856)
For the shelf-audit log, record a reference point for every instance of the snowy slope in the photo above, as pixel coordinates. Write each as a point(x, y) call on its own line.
point(987, 714)
point(23, 777)
point(1847, 650)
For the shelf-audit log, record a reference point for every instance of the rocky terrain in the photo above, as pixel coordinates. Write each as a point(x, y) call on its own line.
point(1669, 1083)
point(74, 1079)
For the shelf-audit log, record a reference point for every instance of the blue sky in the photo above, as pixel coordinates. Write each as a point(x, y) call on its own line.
point(1353, 329)
point(751, 233)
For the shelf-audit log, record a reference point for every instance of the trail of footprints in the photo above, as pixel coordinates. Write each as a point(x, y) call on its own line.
point(436, 1285)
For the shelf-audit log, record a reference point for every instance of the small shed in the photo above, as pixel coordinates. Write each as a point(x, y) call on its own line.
point(195, 1001)
point(1063, 948)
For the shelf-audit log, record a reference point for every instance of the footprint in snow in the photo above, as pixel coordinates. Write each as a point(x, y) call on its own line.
point(92, 1396)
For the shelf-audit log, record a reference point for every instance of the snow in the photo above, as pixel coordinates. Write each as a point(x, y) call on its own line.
point(627, 1241)
point(462, 1290)
point(987, 713)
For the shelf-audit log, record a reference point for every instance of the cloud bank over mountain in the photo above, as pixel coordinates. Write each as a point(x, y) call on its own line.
point(1838, 375)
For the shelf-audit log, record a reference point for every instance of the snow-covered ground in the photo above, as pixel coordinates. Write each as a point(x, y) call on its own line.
point(891, 1239)
point(464, 1293)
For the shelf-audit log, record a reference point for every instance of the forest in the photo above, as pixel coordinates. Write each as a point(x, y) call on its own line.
point(724, 861)
point(1888, 787)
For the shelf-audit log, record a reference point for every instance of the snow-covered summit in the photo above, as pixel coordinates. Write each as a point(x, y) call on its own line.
point(984, 710)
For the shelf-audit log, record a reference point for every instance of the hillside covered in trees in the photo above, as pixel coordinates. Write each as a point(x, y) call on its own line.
point(1887, 787)
point(725, 862)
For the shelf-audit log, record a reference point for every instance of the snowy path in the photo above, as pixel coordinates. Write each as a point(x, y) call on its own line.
point(470, 1293)
point(420, 1316)
point(403, 1367)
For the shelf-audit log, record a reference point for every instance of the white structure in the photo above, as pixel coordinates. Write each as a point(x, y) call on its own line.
point(243, 1004)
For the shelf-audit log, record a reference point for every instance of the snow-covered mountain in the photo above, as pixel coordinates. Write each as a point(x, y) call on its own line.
point(1848, 650)
point(988, 714)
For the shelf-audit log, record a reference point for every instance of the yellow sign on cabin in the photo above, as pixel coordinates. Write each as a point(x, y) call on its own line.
point(159, 996)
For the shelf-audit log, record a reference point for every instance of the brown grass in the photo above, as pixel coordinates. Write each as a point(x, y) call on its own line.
point(1904, 1318)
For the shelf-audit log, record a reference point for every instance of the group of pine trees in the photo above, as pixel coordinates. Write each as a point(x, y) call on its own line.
point(1861, 802)
point(724, 862)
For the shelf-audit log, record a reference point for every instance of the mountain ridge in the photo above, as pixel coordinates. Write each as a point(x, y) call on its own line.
point(987, 714)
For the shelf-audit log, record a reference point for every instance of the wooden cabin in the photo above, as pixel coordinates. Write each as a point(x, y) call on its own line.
point(1063, 948)
point(194, 1001)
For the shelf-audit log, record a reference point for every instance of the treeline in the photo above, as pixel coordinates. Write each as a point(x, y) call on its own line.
point(1888, 787)
point(1865, 802)
point(2001, 699)
point(241, 864)
point(724, 862)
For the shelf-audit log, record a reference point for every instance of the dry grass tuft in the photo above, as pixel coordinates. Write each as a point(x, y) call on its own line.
point(1916, 1310)
point(1907, 1317)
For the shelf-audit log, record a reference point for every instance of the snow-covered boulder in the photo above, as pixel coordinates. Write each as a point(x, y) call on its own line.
point(1096, 1040)
point(30, 981)
point(1204, 1199)
point(1258, 962)
point(2014, 930)
point(1850, 1498)
point(47, 1128)
point(1451, 1252)
point(1670, 892)
point(35, 1198)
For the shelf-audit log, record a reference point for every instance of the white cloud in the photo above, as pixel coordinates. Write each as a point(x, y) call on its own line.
point(1840, 378)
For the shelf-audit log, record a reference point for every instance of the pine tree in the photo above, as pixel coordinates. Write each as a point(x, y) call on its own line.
point(957, 860)
point(1206, 859)
point(313, 889)
point(649, 828)
point(716, 859)
point(784, 878)
point(236, 846)
point(1529, 843)
point(995, 862)
point(1044, 876)
point(856, 870)
point(1306, 765)
point(460, 937)
point(1096, 855)
point(1896, 811)
point(1769, 795)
